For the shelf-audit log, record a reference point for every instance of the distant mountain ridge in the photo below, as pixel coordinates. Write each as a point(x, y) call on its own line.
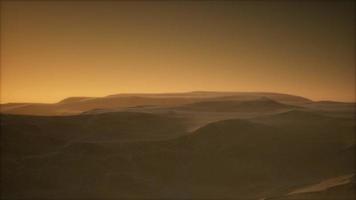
point(77, 105)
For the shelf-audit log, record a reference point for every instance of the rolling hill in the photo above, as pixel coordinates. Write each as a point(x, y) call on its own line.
point(263, 157)
point(35, 134)
point(259, 105)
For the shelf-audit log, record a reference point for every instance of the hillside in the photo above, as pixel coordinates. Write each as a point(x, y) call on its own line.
point(236, 158)
point(35, 134)
point(259, 105)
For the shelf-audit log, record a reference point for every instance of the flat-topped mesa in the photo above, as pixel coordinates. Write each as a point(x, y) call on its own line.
point(73, 99)
point(223, 101)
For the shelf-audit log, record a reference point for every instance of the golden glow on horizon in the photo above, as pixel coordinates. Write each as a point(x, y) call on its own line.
point(53, 50)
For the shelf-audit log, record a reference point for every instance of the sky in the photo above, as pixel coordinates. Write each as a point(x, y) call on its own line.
point(51, 50)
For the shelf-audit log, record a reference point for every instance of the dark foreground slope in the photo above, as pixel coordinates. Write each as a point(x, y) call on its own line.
point(338, 188)
point(39, 134)
point(239, 159)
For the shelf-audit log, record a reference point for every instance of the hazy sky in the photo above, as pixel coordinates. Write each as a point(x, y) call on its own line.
point(51, 50)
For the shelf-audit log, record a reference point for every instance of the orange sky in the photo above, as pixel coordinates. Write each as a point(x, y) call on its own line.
point(52, 50)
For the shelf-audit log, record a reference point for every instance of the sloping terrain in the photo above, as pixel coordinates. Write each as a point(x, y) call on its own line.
point(339, 188)
point(264, 157)
point(332, 108)
point(257, 105)
point(32, 134)
point(202, 113)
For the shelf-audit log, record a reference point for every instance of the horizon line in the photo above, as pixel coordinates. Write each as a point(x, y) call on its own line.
point(182, 92)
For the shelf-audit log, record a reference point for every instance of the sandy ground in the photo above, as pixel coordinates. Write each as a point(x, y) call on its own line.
point(324, 185)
